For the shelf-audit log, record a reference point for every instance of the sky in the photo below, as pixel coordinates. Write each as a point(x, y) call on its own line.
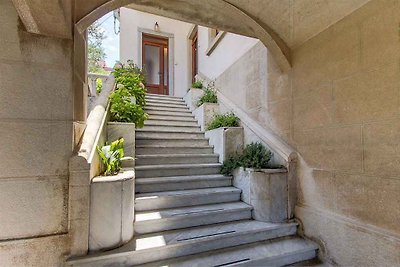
point(111, 43)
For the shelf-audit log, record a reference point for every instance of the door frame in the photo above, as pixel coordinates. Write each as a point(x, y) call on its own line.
point(170, 36)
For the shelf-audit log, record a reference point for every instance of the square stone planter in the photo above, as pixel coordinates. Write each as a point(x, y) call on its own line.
point(205, 113)
point(226, 141)
point(111, 210)
point(266, 190)
point(192, 97)
point(116, 130)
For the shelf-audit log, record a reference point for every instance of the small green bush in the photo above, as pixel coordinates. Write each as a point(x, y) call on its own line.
point(112, 155)
point(99, 85)
point(255, 156)
point(128, 100)
point(223, 120)
point(125, 109)
point(197, 84)
point(209, 96)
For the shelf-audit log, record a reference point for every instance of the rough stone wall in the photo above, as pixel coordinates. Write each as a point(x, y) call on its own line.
point(339, 107)
point(36, 106)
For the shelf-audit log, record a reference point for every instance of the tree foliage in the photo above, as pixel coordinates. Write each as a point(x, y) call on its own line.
point(96, 52)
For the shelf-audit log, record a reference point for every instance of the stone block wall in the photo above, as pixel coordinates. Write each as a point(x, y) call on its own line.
point(36, 109)
point(339, 107)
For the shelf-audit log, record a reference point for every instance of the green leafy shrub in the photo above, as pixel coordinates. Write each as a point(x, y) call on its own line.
point(112, 155)
point(125, 109)
point(99, 85)
point(128, 100)
point(209, 96)
point(255, 156)
point(198, 85)
point(223, 120)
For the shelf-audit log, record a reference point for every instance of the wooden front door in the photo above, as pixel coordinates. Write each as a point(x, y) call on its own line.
point(194, 58)
point(155, 60)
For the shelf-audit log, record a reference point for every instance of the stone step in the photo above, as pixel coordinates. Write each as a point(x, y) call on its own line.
point(189, 118)
point(179, 218)
point(166, 105)
point(185, 198)
point(164, 97)
point(171, 134)
point(173, 149)
point(172, 142)
point(178, 243)
point(160, 184)
point(166, 122)
point(163, 170)
point(165, 101)
point(173, 128)
point(157, 159)
point(170, 109)
point(174, 114)
point(276, 252)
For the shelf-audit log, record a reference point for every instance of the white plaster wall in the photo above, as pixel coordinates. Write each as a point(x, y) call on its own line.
point(231, 48)
point(130, 47)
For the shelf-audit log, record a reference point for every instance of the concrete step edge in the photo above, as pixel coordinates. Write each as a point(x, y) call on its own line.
point(177, 166)
point(186, 193)
point(193, 178)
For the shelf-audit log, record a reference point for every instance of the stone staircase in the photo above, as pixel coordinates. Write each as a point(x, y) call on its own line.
point(186, 213)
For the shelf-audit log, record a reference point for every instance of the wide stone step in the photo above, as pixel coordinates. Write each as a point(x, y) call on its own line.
point(170, 109)
point(166, 122)
point(173, 149)
point(166, 105)
point(160, 184)
point(173, 128)
point(184, 198)
point(170, 113)
point(172, 244)
point(163, 97)
point(171, 142)
point(179, 218)
point(157, 159)
point(169, 134)
point(163, 170)
point(165, 101)
point(277, 252)
point(189, 118)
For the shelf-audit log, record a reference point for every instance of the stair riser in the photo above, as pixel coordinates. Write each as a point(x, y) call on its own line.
point(178, 129)
point(165, 202)
point(161, 101)
point(177, 115)
point(173, 150)
point(210, 245)
point(154, 108)
point(165, 105)
point(172, 118)
point(185, 185)
point(164, 98)
point(180, 222)
point(177, 172)
point(170, 123)
point(175, 160)
point(176, 135)
point(166, 142)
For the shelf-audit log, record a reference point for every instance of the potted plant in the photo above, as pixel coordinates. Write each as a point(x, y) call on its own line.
point(111, 200)
point(193, 94)
point(225, 134)
point(263, 186)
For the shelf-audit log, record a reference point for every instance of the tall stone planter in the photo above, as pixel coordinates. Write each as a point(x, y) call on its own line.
point(227, 141)
point(112, 197)
point(111, 212)
point(205, 113)
point(192, 97)
point(266, 190)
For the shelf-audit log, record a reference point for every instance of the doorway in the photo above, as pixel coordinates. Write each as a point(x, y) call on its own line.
point(155, 61)
point(194, 57)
